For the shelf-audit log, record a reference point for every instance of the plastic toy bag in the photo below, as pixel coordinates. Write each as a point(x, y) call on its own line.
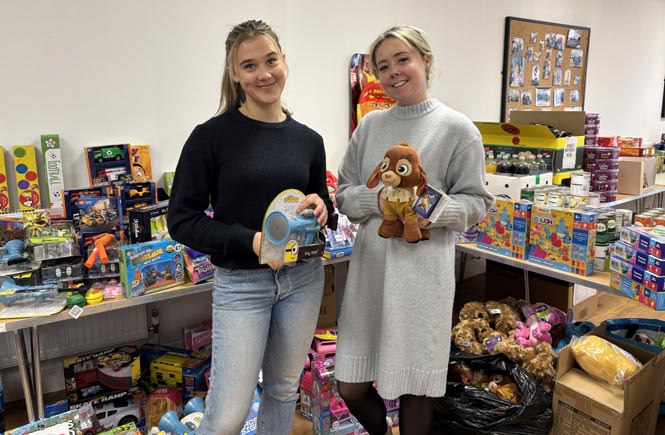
point(604, 360)
point(469, 410)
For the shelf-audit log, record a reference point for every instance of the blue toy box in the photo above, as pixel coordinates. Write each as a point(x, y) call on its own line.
point(151, 266)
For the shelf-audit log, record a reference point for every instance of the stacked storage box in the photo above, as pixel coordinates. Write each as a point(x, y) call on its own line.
point(591, 129)
point(603, 164)
point(638, 265)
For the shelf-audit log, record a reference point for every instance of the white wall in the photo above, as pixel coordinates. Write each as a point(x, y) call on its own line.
point(147, 71)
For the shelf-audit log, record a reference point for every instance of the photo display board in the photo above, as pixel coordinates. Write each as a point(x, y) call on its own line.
point(544, 66)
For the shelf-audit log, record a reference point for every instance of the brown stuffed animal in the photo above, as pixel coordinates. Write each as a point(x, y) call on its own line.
point(468, 335)
point(502, 316)
point(473, 310)
point(540, 362)
point(405, 179)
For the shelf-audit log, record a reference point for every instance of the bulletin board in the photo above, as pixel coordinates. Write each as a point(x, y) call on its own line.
point(544, 66)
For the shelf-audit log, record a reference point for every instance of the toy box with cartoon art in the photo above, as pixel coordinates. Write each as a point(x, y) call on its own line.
point(505, 228)
point(99, 214)
point(135, 195)
point(108, 163)
point(638, 274)
point(95, 374)
point(161, 401)
point(288, 236)
point(70, 199)
point(4, 189)
point(647, 239)
point(148, 223)
point(198, 265)
point(118, 407)
point(55, 182)
point(330, 415)
point(193, 374)
point(141, 162)
point(27, 178)
point(625, 285)
point(151, 266)
point(563, 238)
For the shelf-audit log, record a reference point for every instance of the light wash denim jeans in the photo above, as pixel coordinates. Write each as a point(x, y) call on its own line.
point(261, 319)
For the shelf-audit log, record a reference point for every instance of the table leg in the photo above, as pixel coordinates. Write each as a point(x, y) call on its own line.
point(37, 372)
point(24, 371)
point(526, 286)
point(462, 266)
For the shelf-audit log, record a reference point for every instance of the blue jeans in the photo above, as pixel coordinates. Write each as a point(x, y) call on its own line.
point(262, 319)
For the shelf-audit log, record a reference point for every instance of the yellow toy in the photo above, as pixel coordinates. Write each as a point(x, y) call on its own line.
point(604, 360)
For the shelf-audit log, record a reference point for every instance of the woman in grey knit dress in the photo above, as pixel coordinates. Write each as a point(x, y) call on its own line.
point(395, 322)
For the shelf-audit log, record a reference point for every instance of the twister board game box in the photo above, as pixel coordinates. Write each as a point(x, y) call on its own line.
point(563, 239)
point(151, 266)
point(27, 178)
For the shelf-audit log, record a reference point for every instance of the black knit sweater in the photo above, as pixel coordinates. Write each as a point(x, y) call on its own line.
point(238, 165)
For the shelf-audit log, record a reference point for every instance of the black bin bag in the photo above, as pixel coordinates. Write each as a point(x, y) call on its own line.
point(466, 409)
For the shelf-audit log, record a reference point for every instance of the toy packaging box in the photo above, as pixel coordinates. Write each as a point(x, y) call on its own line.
point(198, 265)
point(99, 214)
point(27, 178)
point(638, 274)
point(198, 337)
point(70, 200)
point(161, 401)
point(148, 222)
point(4, 190)
point(55, 182)
point(193, 374)
point(135, 195)
point(330, 415)
point(339, 242)
point(151, 266)
point(166, 370)
point(105, 372)
point(563, 238)
point(141, 162)
point(108, 163)
point(647, 239)
point(505, 228)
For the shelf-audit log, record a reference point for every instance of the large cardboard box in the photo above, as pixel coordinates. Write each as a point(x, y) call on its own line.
point(636, 173)
point(561, 154)
point(502, 184)
point(583, 404)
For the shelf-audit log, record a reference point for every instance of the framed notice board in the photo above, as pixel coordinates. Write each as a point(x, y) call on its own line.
point(544, 66)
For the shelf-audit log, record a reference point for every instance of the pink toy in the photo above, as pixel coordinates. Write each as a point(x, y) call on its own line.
point(532, 332)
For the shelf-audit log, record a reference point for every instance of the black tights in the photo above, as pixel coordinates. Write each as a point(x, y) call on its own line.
point(364, 402)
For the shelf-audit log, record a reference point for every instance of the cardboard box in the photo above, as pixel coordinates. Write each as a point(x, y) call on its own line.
point(585, 302)
point(635, 172)
point(27, 180)
point(561, 154)
point(501, 184)
point(583, 404)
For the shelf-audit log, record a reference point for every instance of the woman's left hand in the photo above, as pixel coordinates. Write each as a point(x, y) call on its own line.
point(315, 202)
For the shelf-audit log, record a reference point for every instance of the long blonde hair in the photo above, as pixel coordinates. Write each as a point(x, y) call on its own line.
point(232, 94)
point(413, 37)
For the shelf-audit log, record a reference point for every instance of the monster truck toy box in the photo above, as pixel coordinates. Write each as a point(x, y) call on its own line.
point(151, 266)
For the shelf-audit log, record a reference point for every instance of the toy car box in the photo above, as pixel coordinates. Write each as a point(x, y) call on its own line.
point(105, 372)
point(108, 163)
point(148, 223)
point(135, 195)
point(562, 154)
point(99, 214)
point(71, 197)
point(592, 406)
point(151, 266)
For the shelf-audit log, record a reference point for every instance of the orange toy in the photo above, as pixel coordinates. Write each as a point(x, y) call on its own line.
point(100, 242)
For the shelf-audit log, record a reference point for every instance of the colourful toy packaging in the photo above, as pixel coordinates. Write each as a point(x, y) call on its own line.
point(166, 370)
point(651, 240)
point(141, 162)
point(199, 336)
point(70, 199)
point(27, 178)
point(108, 163)
point(151, 266)
point(99, 214)
point(148, 223)
point(638, 274)
point(193, 374)
point(55, 182)
point(167, 179)
point(505, 228)
point(330, 414)
point(95, 374)
point(4, 190)
point(198, 265)
point(135, 195)
point(563, 238)
point(161, 401)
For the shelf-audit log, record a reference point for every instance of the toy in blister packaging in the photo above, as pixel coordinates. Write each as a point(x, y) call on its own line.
point(29, 301)
point(151, 266)
point(108, 163)
point(288, 236)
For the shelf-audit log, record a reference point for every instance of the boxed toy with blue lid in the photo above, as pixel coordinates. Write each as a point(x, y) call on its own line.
point(151, 266)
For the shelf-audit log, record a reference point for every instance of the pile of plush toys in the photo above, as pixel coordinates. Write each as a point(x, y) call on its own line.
point(526, 333)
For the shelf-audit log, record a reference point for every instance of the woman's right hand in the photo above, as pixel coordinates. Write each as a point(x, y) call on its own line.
point(256, 247)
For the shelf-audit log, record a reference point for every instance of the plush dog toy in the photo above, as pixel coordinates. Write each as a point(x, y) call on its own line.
point(405, 179)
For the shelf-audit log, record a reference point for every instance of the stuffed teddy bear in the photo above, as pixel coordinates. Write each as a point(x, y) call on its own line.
point(503, 386)
point(539, 362)
point(405, 179)
point(502, 316)
point(468, 335)
point(473, 310)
